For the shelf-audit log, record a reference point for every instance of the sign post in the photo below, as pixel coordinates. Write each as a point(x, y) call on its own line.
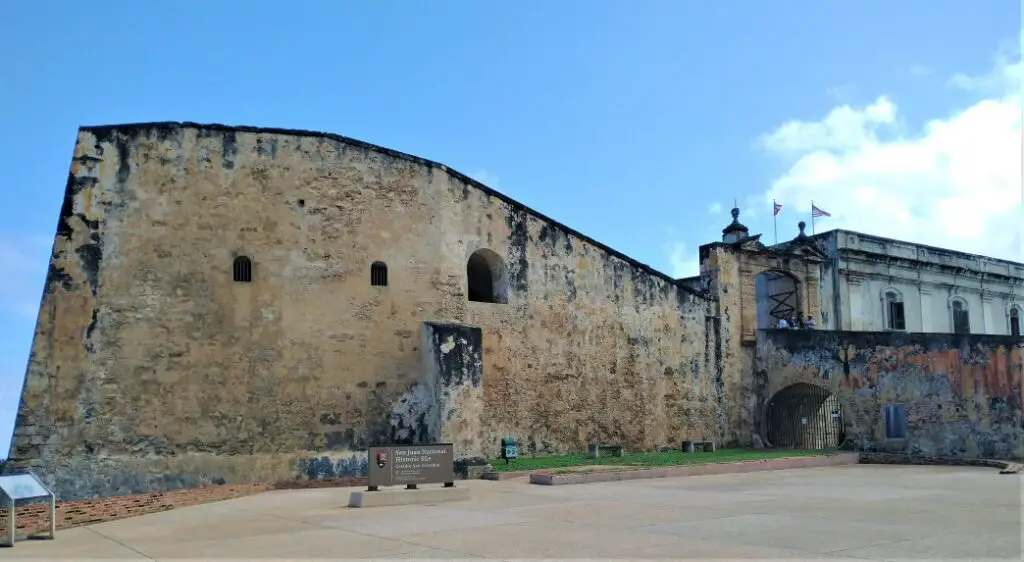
point(411, 465)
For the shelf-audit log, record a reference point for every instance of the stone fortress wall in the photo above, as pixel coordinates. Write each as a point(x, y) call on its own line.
point(151, 368)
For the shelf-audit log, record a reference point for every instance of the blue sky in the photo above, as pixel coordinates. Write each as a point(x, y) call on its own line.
point(627, 121)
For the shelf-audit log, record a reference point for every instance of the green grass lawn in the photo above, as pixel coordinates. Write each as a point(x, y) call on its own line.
point(673, 458)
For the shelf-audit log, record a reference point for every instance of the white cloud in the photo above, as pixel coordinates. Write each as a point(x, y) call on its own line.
point(682, 263)
point(486, 178)
point(953, 183)
point(715, 209)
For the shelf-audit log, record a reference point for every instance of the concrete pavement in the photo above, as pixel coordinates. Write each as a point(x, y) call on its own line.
point(837, 513)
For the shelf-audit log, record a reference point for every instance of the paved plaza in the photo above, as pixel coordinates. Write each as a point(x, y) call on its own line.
point(841, 513)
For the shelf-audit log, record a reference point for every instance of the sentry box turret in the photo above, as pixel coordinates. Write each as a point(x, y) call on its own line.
point(509, 449)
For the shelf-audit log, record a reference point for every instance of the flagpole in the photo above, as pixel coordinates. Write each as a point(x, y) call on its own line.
point(812, 217)
point(1021, 105)
point(775, 220)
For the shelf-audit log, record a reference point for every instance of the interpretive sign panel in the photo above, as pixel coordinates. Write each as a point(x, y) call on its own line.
point(395, 465)
point(22, 486)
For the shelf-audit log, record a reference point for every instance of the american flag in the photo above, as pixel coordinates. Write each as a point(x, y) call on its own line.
point(778, 208)
point(816, 212)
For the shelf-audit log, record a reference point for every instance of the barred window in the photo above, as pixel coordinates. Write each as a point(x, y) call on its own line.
point(242, 270)
point(379, 274)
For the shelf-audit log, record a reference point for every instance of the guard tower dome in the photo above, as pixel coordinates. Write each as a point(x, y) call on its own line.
point(735, 232)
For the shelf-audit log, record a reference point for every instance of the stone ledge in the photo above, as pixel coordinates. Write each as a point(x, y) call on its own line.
point(548, 479)
point(506, 475)
point(421, 496)
point(1005, 467)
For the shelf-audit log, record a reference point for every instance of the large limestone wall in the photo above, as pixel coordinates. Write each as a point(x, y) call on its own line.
point(151, 369)
point(963, 394)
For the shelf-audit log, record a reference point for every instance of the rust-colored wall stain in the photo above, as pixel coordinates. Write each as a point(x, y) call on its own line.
point(962, 393)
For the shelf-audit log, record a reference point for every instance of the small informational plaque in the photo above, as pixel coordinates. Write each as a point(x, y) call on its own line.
point(396, 465)
point(22, 486)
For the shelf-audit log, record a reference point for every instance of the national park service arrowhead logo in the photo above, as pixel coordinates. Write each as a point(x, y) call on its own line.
point(382, 459)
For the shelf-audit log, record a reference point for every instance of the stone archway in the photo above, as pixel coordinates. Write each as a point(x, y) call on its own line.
point(804, 416)
point(486, 277)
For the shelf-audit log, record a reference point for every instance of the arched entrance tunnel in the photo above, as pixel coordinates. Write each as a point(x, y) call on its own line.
point(804, 416)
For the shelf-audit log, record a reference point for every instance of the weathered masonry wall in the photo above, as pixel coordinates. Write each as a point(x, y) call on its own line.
point(151, 369)
point(962, 394)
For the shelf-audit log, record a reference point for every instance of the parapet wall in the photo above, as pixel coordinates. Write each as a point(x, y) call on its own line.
point(962, 394)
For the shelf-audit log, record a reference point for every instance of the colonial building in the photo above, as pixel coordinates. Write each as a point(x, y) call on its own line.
point(871, 283)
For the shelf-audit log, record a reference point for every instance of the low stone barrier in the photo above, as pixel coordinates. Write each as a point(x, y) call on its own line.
point(1005, 467)
point(549, 479)
point(506, 475)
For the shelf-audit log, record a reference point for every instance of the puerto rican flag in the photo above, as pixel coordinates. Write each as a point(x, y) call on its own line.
point(778, 208)
point(816, 212)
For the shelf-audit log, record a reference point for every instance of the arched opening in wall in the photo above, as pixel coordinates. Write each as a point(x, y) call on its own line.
point(778, 298)
point(486, 278)
point(804, 416)
point(1015, 320)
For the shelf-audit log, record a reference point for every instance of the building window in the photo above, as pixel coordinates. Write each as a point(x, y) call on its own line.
point(896, 421)
point(895, 318)
point(961, 317)
point(486, 278)
point(242, 270)
point(1015, 321)
point(379, 274)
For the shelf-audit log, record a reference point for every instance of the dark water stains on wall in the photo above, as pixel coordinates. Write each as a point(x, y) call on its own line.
point(713, 345)
point(462, 363)
point(84, 478)
point(318, 468)
point(519, 243)
point(229, 150)
point(91, 255)
point(553, 237)
point(267, 147)
point(75, 185)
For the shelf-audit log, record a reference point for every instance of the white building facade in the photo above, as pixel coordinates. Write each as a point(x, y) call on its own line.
point(870, 283)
